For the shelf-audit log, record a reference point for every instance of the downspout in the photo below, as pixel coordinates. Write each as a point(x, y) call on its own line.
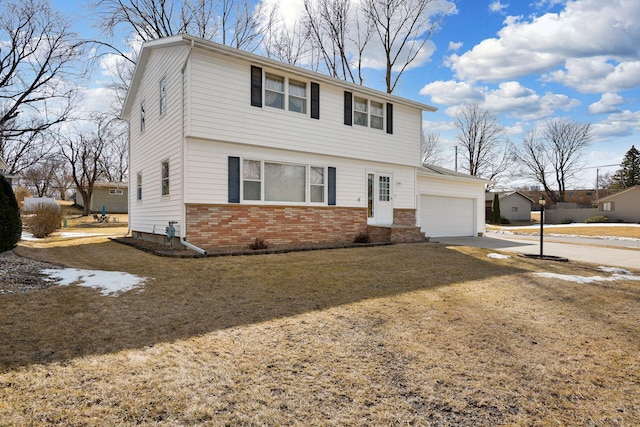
point(183, 212)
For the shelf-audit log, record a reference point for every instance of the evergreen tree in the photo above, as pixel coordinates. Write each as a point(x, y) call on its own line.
point(495, 210)
point(10, 223)
point(629, 174)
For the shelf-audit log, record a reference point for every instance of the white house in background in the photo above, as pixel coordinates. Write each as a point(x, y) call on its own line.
point(234, 146)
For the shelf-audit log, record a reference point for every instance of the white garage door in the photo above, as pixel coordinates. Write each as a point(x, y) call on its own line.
point(442, 216)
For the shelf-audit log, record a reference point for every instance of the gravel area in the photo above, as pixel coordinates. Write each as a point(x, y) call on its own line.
point(19, 275)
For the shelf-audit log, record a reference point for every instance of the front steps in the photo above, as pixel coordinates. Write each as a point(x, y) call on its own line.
point(395, 234)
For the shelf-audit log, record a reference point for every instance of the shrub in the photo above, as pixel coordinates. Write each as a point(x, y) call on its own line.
point(361, 238)
point(566, 221)
point(504, 220)
point(10, 224)
point(258, 244)
point(43, 219)
point(597, 218)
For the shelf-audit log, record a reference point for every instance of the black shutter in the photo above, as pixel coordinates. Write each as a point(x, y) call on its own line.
point(234, 179)
point(256, 86)
point(389, 118)
point(315, 100)
point(331, 183)
point(348, 107)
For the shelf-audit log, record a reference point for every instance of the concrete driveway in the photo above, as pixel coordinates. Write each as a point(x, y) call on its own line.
point(616, 253)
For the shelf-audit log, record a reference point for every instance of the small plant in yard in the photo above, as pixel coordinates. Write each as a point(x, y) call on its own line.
point(258, 244)
point(504, 220)
point(10, 224)
point(566, 221)
point(43, 219)
point(361, 238)
point(597, 218)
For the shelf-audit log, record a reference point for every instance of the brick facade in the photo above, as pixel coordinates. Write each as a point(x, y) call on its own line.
point(406, 217)
point(237, 226)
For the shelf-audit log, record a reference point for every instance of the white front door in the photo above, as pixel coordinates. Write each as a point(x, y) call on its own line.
point(380, 199)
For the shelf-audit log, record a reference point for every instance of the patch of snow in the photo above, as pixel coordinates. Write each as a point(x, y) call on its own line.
point(110, 283)
point(65, 234)
point(498, 256)
point(613, 270)
point(586, 280)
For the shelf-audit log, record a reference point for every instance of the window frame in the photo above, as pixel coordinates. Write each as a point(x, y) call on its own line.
point(163, 96)
point(307, 168)
point(286, 93)
point(142, 117)
point(165, 189)
point(139, 186)
point(374, 121)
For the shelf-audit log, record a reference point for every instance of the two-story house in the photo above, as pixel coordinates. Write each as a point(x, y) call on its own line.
point(233, 146)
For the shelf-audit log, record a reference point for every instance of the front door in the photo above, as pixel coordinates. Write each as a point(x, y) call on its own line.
point(380, 199)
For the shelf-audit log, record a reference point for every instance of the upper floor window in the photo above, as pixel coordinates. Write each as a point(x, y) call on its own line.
point(163, 96)
point(142, 117)
point(607, 206)
point(115, 192)
point(377, 115)
point(284, 93)
point(274, 91)
point(165, 178)
point(297, 96)
point(360, 112)
point(368, 113)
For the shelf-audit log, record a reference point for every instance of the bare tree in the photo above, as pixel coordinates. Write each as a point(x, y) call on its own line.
point(430, 148)
point(553, 156)
point(288, 46)
point(115, 158)
point(38, 62)
point(403, 28)
point(40, 177)
point(83, 152)
point(485, 147)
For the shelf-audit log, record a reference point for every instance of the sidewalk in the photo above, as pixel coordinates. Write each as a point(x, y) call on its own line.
point(592, 251)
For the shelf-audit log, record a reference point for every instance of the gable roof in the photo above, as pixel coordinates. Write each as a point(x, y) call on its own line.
point(502, 194)
point(432, 170)
point(614, 196)
point(188, 40)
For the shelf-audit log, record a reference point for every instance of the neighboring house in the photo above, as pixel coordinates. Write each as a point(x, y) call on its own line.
point(114, 196)
point(514, 205)
point(4, 169)
point(622, 206)
point(236, 147)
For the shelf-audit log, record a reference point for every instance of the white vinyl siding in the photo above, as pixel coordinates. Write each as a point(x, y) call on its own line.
point(231, 118)
point(161, 141)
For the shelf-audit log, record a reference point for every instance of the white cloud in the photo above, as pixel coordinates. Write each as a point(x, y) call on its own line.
point(607, 104)
point(497, 7)
point(455, 45)
point(624, 123)
point(429, 126)
point(599, 74)
point(452, 92)
point(545, 42)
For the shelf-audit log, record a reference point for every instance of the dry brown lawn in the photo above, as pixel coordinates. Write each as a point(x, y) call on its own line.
point(587, 230)
point(415, 334)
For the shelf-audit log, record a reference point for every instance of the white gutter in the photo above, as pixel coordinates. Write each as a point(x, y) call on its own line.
point(183, 209)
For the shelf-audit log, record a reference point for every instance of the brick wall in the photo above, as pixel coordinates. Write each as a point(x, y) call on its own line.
point(404, 217)
point(237, 226)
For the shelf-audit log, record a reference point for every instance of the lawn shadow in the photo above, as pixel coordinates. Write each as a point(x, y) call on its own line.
point(183, 298)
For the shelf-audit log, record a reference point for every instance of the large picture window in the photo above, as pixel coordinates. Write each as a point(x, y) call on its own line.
point(284, 182)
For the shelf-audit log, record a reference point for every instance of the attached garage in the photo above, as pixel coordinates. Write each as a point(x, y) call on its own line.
point(450, 204)
point(447, 216)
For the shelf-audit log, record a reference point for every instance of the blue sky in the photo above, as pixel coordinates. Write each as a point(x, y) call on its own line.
point(527, 61)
